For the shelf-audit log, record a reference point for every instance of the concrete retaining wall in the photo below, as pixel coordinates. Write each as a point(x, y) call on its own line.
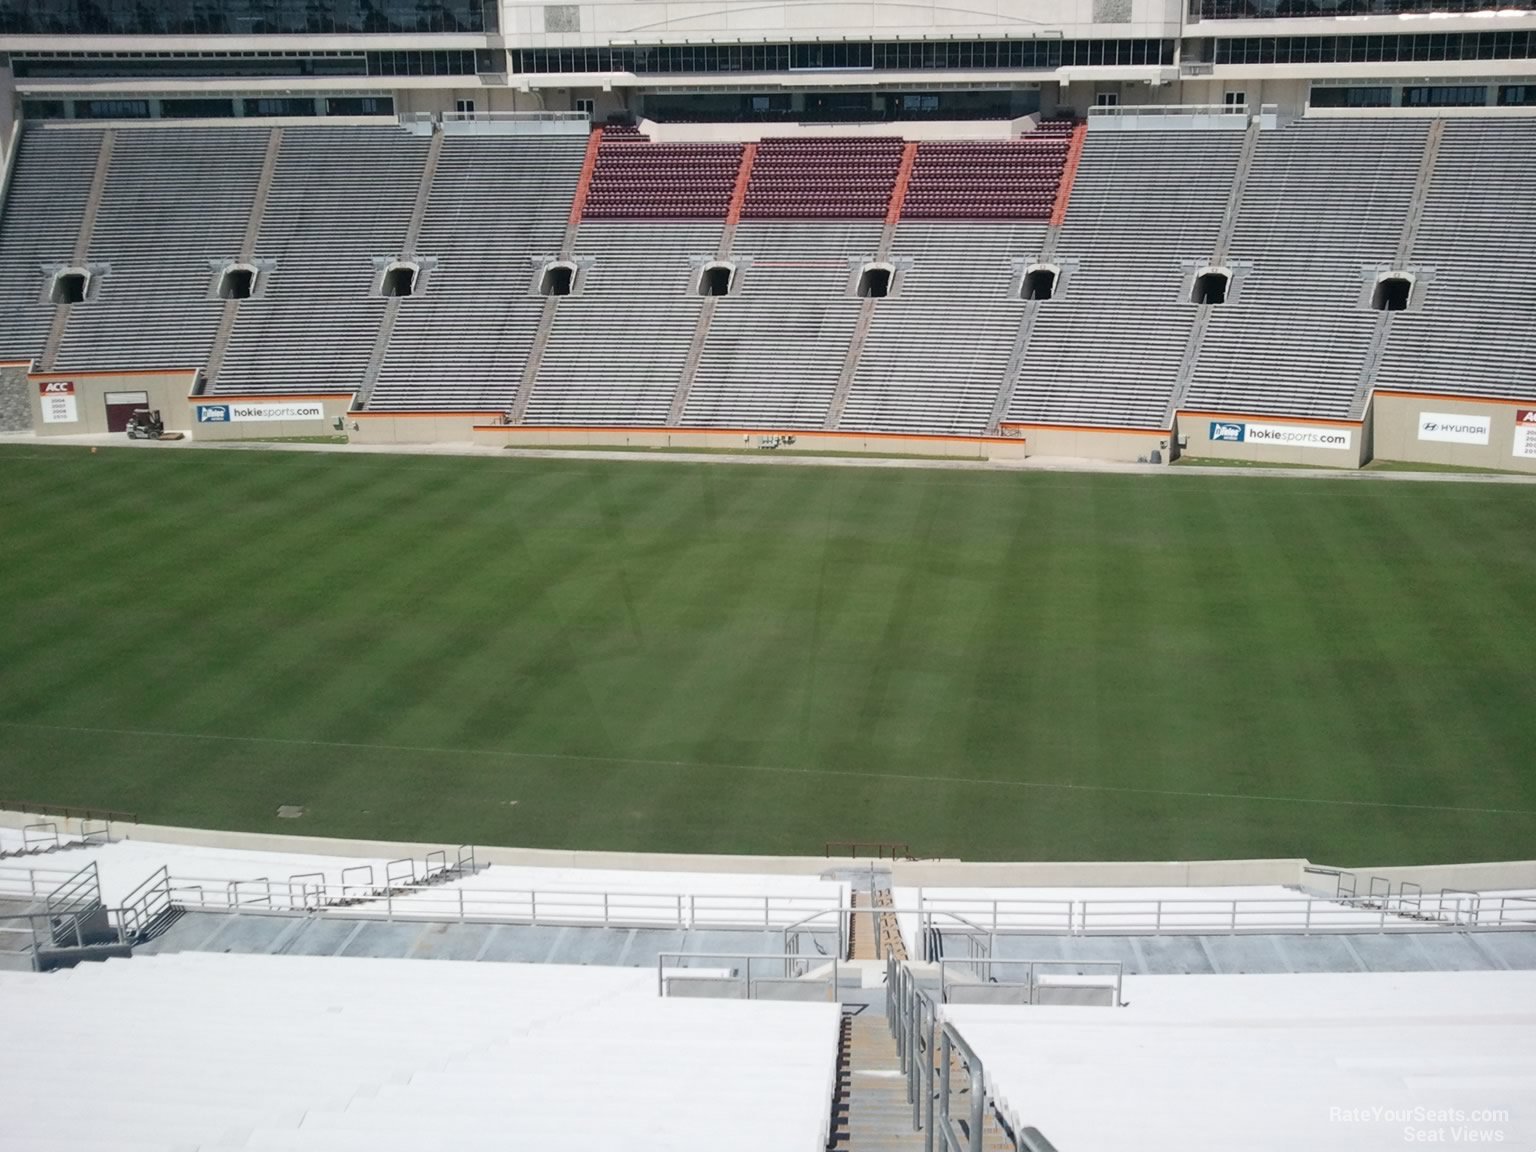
point(1273, 439)
point(1452, 430)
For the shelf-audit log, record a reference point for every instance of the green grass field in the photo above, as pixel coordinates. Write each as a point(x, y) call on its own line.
point(702, 657)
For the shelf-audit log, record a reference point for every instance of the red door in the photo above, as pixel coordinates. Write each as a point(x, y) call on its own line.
point(120, 407)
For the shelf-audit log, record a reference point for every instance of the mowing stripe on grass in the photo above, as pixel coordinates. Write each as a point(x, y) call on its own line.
point(702, 766)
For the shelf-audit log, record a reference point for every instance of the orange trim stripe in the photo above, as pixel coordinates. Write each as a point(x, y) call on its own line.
point(422, 414)
point(796, 432)
point(584, 182)
point(1119, 430)
point(123, 372)
point(266, 397)
point(1068, 175)
point(903, 179)
point(1453, 399)
point(743, 177)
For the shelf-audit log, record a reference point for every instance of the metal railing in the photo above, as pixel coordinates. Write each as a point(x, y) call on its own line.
point(795, 935)
point(929, 1051)
point(745, 976)
point(516, 117)
point(32, 883)
point(425, 901)
point(1123, 111)
point(36, 838)
point(878, 849)
point(105, 816)
point(145, 907)
point(1056, 981)
point(953, 1051)
point(1407, 909)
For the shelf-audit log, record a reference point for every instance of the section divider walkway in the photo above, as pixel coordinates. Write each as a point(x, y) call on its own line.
point(246, 254)
point(82, 250)
point(407, 252)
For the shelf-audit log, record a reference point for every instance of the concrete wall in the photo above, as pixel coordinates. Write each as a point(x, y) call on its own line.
point(1090, 874)
point(74, 403)
point(749, 440)
point(414, 427)
point(906, 874)
point(15, 404)
point(1295, 440)
point(1446, 429)
point(1130, 445)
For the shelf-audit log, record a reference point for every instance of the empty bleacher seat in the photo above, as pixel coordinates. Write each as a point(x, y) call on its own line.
point(1108, 351)
point(498, 204)
point(1324, 200)
point(776, 349)
point(936, 355)
point(843, 178)
point(50, 182)
point(1474, 333)
point(175, 204)
point(617, 350)
point(341, 198)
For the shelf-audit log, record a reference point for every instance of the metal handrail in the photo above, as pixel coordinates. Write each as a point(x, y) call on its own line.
point(69, 811)
point(1384, 912)
point(955, 1050)
point(666, 973)
point(1169, 110)
point(453, 117)
point(884, 849)
point(144, 905)
point(537, 906)
point(1032, 974)
point(792, 932)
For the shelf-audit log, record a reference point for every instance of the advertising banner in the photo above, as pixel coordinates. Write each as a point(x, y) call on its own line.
point(1453, 429)
point(257, 413)
point(1287, 435)
point(1525, 433)
point(58, 398)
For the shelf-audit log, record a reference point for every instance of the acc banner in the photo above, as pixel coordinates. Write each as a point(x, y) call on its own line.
point(58, 397)
point(1291, 435)
point(1453, 429)
point(255, 413)
point(1525, 433)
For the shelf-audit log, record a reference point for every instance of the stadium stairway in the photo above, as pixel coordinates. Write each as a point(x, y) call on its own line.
point(870, 1112)
point(861, 928)
point(82, 244)
point(1218, 260)
point(247, 251)
point(870, 1109)
point(407, 253)
point(1404, 258)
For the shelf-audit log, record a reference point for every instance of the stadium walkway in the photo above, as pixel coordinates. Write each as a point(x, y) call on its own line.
point(776, 458)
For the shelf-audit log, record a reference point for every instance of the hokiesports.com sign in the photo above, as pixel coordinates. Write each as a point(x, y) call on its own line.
point(1285, 435)
point(252, 413)
point(58, 400)
point(1525, 433)
point(1454, 429)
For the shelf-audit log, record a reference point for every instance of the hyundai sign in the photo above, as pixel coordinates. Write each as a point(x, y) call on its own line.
point(1452, 428)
